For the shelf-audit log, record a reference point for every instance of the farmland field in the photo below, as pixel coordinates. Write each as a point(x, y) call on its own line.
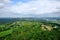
point(30, 30)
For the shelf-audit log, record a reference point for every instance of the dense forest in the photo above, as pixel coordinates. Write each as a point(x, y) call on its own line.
point(29, 30)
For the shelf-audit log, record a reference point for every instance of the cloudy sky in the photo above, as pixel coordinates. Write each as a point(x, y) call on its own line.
point(29, 8)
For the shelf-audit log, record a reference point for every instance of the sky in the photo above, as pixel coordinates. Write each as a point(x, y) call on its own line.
point(29, 8)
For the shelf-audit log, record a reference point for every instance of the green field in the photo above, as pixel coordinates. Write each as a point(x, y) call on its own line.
point(29, 30)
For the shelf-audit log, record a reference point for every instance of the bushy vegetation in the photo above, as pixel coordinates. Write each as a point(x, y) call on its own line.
point(28, 30)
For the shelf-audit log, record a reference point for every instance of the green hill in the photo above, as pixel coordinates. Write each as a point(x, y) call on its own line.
point(28, 30)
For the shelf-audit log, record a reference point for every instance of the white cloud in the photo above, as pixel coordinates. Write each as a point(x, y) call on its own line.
point(39, 6)
point(33, 7)
point(3, 3)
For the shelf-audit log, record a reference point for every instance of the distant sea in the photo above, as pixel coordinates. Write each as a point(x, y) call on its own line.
point(8, 20)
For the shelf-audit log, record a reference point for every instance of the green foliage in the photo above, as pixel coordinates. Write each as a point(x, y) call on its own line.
point(4, 33)
point(27, 30)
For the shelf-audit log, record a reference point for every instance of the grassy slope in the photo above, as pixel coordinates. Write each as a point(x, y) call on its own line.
point(4, 33)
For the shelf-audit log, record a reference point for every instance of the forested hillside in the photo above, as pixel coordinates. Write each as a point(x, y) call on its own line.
point(29, 30)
